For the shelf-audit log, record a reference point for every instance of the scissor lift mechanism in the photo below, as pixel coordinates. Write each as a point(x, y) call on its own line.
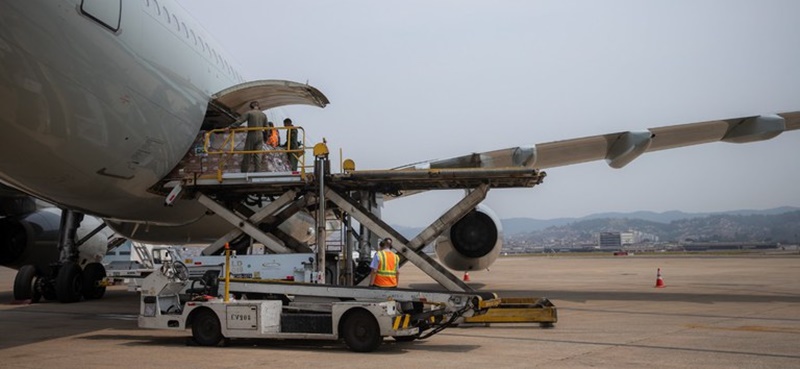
point(293, 192)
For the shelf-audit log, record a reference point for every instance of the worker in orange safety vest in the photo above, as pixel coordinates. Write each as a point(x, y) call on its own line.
point(384, 266)
point(271, 136)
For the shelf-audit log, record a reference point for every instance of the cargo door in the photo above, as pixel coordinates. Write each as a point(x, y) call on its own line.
point(226, 105)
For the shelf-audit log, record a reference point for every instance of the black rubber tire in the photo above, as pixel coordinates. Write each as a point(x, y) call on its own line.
point(360, 331)
point(37, 290)
point(93, 273)
point(24, 283)
point(206, 329)
point(69, 283)
point(49, 292)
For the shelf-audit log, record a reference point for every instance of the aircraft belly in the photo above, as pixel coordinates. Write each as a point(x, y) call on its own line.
point(206, 229)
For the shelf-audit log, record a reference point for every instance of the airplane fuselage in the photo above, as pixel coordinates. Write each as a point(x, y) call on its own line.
point(94, 110)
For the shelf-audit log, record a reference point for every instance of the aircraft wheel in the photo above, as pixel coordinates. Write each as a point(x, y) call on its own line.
point(25, 284)
point(69, 283)
point(93, 274)
point(49, 292)
point(361, 331)
point(206, 329)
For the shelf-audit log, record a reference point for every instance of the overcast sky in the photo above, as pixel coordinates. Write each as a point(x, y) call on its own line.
point(417, 80)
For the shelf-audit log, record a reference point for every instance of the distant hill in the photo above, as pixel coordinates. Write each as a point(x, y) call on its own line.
point(728, 227)
point(522, 225)
point(408, 232)
point(516, 226)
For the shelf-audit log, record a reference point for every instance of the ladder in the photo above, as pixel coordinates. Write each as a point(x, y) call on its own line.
point(144, 255)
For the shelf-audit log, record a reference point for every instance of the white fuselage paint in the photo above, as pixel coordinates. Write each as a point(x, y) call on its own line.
point(91, 118)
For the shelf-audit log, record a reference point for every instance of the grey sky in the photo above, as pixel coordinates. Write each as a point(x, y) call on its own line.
point(416, 80)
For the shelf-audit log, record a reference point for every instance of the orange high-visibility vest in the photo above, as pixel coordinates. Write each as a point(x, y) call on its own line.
point(386, 275)
point(273, 139)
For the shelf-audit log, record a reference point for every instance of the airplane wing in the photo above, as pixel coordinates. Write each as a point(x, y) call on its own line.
point(620, 148)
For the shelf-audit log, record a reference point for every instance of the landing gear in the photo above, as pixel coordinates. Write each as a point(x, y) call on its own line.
point(69, 282)
point(93, 276)
point(64, 280)
point(25, 284)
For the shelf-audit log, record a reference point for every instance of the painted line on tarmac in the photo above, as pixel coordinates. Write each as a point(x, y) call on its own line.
point(746, 328)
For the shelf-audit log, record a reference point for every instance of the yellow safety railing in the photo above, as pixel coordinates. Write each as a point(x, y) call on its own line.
point(228, 146)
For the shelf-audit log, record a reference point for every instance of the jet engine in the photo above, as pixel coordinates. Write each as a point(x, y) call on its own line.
point(33, 239)
point(473, 243)
point(29, 239)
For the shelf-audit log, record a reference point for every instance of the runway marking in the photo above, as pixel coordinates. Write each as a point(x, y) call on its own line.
point(625, 345)
point(631, 312)
point(747, 328)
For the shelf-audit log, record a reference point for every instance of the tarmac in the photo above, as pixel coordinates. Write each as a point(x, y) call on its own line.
point(715, 312)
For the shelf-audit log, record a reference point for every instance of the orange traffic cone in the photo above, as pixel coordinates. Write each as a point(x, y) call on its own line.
point(466, 276)
point(659, 280)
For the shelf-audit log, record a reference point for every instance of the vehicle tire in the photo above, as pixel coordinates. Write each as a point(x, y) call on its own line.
point(360, 331)
point(93, 274)
point(69, 283)
point(25, 283)
point(206, 329)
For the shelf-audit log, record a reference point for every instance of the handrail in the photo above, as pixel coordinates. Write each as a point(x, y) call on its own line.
point(228, 146)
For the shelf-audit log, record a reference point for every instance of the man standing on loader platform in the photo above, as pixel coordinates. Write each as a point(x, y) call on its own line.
point(292, 143)
point(384, 266)
point(255, 119)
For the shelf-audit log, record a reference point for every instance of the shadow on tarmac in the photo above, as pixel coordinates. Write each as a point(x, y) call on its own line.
point(389, 345)
point(51, 320)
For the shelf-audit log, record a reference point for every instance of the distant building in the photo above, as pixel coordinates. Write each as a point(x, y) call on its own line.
point(633, 237)
point(628, 238)
point(610, 240)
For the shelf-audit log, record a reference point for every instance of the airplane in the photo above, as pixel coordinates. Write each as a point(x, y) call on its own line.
point(102, 99)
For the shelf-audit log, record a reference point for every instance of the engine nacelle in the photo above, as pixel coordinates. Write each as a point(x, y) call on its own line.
point(473, 243)
point(33, 239)
point(29, 239)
